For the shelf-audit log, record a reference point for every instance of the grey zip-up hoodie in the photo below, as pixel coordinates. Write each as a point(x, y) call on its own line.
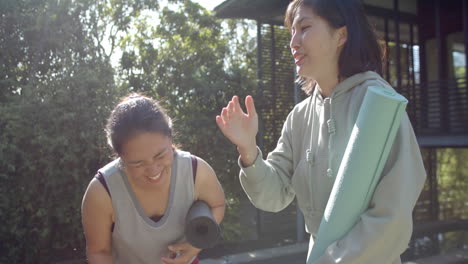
point(305, 162)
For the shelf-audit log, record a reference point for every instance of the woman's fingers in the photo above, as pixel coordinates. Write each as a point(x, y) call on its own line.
point(171, 261)
point(237, 107)
point(230, 109)
point(249, 103)
point(220, 122)
point(233, 111)
point(224, 114)
point(179, 247)
point(183, 252)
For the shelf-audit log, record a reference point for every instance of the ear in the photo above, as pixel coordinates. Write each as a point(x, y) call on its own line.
point(342, 36)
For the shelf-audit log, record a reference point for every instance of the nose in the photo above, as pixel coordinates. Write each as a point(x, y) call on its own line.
point(294, 43)
point(153, 168)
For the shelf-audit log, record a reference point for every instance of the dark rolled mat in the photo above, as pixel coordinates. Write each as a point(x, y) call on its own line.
point(201, 229)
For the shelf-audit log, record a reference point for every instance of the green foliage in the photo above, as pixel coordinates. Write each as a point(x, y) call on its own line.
point(452, 179)
point(57, 88)
point(451, 172)
point(55, 95)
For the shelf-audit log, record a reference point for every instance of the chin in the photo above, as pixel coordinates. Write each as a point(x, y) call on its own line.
point(303, 72)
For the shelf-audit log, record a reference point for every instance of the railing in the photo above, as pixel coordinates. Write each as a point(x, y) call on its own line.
point(429, 238)
point(438, 108)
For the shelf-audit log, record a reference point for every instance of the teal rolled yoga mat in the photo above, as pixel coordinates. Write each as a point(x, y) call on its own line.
point(367, 151)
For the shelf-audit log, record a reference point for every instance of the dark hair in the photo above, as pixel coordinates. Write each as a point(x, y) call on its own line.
point(361, 52)
point(135, 114)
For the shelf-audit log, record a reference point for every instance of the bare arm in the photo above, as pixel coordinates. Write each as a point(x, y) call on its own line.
point(97, 219)
point(209, 190)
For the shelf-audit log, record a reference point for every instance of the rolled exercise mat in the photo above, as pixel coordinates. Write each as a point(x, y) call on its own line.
point(367, 151)
point(201, 229)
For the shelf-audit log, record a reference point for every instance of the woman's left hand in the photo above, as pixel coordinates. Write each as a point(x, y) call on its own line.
point(184, 253)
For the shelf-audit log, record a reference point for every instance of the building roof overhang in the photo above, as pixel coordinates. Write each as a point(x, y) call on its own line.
point(272, 11)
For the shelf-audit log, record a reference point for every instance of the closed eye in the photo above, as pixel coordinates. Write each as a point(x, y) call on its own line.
point(160, 155)
point(136, 164)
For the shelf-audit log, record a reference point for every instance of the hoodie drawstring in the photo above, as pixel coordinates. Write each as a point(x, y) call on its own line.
point(309, 155)
point(331, 131)
point(331, 124)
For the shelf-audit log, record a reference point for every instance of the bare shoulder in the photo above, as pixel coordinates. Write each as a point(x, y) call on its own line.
point(96, 197)
point(205, 174)
point(206, 179)
point(204, 169)
point(97, 217)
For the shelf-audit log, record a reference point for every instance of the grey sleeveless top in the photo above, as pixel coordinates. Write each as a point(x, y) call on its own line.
point(136, 238)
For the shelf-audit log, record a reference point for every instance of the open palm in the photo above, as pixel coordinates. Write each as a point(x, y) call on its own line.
point(239, 127)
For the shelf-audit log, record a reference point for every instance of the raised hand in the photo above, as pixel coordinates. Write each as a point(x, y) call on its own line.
point(240, 127)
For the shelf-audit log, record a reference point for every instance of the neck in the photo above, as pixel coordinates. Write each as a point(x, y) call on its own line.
point(326, 87)
point(327, 82)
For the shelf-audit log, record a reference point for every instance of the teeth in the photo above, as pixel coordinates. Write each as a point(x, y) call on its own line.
point(155, 177)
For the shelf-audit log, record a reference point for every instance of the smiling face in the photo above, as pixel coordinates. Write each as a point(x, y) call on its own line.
point(147, 159)
point(315, 45)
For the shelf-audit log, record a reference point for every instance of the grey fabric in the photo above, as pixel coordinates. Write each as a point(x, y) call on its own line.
point(136, 238)
point(304, 164)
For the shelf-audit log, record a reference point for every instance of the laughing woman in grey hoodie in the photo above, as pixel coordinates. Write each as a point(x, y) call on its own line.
point(337, 57)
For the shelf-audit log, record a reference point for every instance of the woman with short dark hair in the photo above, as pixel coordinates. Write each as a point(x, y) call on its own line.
point(135, 208)
point(337, 58)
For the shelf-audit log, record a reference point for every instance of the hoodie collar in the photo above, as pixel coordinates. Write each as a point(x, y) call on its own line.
point(348, 84)
point(340, 89)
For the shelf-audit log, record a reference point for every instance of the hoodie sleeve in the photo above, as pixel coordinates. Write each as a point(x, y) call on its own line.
point(384, 230)
point(267, 182)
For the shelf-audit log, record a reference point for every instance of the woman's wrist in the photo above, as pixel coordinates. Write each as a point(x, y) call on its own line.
point(248, 155)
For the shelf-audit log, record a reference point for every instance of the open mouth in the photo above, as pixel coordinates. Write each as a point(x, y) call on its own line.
point(299, 60)
point(155, 177)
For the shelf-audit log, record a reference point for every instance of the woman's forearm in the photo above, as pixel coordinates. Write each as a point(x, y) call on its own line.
point(218, 212)
point(100, 258)
point(248, 155)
